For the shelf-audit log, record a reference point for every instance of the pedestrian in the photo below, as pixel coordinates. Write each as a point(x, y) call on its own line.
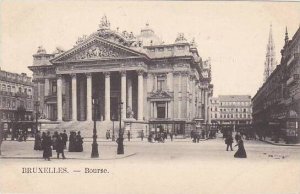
point(72, 142)
point(106, 134)
point(142, 135)
point(60, 146)
point(198, 137)
point(38, 141)
point(237, 136)
point(46, 143)
point(128, 135)
point(54, 139)
point(64, 137)
point(171, 136)
point(241, 152)
point(79, 142)
point(229, 141)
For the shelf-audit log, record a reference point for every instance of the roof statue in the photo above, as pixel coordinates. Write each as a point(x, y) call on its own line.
point(41, 50)
point(81, 39)
point(58, 50)
point(104, 23)
point(180, 38)
point(193, 43)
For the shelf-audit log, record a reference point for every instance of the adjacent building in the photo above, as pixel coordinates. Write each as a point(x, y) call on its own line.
point(155, 81)
point(231, 109)
point(276, 105)
point(16, 90)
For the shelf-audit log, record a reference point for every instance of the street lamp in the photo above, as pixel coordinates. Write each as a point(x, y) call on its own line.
point(120, 139)
point(36, 105)
point(95, 153)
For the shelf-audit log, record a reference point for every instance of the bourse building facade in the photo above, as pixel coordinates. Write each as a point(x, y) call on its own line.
point(153, 80)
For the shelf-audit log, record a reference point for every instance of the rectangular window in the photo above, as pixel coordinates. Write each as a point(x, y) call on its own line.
point(216, 116)
point(161, 82)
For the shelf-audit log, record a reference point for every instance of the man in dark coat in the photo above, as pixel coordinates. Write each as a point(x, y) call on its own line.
point(79, 142)
point(171, 136)
point(60, 146)
point(72, 141)
point(142, 135)
point(64, 138)
point(38, 141)
point(229, 141)
point(46, 142)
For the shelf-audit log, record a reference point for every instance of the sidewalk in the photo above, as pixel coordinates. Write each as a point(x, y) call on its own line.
point(280, 143)
point(24, 150)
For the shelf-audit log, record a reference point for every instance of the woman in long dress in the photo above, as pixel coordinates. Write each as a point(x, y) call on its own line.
point(241, 152)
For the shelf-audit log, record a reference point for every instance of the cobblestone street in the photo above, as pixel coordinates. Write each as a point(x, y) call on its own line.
point(155, 163)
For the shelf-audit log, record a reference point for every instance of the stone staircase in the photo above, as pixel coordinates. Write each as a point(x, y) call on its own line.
point(85, 127)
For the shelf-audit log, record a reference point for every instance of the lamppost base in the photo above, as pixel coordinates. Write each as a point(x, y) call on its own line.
point(113, 138)
point(120, 149)
point(95, 153)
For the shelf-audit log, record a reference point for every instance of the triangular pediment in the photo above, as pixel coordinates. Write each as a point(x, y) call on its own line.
point(160, 95)
point(96, 48)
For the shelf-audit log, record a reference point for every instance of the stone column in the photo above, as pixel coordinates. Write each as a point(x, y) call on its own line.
point(129, 91)
point(74, 97)
point(154, 82)
point(179, 95)
point(140, 95)
point(123, 93)
point(46, 93)
point(47, 86)
point(209, 107)
point(89, 97)
point(107, 96)
point(170, 81)
point(59, 98)
point(170, 109)
point(205, 106)
point(154, 110)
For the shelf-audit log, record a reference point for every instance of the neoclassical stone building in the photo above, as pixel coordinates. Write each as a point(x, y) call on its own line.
point(153, 80)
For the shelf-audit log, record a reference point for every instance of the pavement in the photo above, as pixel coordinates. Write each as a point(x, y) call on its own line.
point(280, 142)
point(173, 167)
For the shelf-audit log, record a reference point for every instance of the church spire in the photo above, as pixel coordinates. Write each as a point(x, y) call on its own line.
point(270, 62)
point(286, 38)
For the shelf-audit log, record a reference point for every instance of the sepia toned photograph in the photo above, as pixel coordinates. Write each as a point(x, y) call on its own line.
point(134, 97)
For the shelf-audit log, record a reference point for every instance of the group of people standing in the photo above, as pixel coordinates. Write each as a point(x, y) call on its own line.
point(75, 142)
point(57, 142)
point(241, 152)
point(47, 143)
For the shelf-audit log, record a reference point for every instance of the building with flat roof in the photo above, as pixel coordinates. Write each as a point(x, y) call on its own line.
point(231, 109)
point(16, 90)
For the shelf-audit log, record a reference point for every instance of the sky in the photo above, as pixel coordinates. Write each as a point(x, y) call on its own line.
point(233, 34)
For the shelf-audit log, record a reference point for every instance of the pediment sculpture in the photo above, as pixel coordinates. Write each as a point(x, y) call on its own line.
point(96, 52)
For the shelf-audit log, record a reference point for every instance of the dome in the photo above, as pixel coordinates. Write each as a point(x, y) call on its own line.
point(148, 37)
